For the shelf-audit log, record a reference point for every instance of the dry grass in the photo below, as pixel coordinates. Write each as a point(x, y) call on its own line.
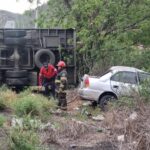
point(136, 131)
point(9, 97)
point(74, 129)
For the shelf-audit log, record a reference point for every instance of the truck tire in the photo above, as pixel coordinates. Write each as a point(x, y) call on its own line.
point(1, 77)
point(44, 55)
point(14, 33)
point(16, 74)
point(15, 41)
point(17, 81)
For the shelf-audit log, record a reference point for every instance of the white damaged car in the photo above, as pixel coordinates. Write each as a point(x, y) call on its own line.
point(118, 81)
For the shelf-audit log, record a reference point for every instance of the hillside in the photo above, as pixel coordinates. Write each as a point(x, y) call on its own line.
point(25, 20)
point(22, 21)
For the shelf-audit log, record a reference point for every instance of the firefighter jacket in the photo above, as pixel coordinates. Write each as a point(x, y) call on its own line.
point(61, 81)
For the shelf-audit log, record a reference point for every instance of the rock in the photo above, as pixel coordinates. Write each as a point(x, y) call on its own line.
point(99, 130)
point(73, 146)
point(77, 108)
point(120, 138)
point(133, 116)
point(47, 126)
point(21, 122)
point(98, 118)
point(86, 104)
point(17, 122)
point(35, 123)
point(57, 112)
point(134, 142)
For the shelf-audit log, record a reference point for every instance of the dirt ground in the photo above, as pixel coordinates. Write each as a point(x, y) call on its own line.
point(80, 135)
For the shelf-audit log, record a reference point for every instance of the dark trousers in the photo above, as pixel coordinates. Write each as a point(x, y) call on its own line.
point(49, 85)
point(62, 102)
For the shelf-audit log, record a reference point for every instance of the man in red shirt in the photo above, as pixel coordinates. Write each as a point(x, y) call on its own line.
point(47, 78)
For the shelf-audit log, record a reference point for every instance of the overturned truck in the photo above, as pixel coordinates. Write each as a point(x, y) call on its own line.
point(23, 51)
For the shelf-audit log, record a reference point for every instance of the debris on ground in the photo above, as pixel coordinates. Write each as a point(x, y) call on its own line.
point(86, 103)
point(133, 116)
point(120, 138)
point(98, 118)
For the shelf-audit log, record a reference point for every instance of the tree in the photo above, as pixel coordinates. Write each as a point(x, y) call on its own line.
point(108, 31)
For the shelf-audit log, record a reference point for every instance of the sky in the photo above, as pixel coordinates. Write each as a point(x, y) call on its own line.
point(17, 6)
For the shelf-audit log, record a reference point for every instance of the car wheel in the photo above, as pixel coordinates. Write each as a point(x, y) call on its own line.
point(44, 55)
point(16, 74)
point(14, 33)
point(104, 101)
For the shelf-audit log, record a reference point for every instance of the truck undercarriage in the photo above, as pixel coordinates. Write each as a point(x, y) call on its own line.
point(23, 51)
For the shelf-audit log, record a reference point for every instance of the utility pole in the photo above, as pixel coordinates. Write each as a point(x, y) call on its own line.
point(36, 12)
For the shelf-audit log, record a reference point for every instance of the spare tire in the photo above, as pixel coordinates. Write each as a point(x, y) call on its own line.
point(14, 33)
point(15, 41)
point(44, 55)
point(16, 74)
point(17, 81)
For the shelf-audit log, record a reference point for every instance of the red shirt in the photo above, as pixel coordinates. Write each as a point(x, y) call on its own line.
point(47, 73)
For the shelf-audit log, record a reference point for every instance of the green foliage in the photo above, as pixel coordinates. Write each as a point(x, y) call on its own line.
point(86, 112)
point(124, 101)
point(145, 90)
point(2, 104)
point(27, 105)
point(2, 120)
point(23, 140)
point(7, 97)
point(108, 32)
point(33, 104)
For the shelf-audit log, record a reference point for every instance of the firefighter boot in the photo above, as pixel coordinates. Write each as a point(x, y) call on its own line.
point(64, 104)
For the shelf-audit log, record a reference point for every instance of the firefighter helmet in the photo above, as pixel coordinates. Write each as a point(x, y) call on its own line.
point(61, 64)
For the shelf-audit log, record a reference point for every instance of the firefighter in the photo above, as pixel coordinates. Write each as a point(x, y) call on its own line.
point(47, 77)
point(61, 85)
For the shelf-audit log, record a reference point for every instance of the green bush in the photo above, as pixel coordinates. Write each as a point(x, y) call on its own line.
point(27, 105)
point(7, 98)
point(2, 120)
point(124, 101)
point(4, 88)
point(145, 90)
point(34, 105)
point(2, 104)
point(23, 140)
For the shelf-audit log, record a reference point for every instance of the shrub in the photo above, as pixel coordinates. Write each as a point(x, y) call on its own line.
point(33, 104)
point(23, 140)
point(2, 120)
point(2, 104)
point(7, 97)
point(124, 101)
point(27, 105)
point(145, 91)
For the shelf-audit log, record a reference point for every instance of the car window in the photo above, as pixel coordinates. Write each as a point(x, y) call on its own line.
point(125, 77)
point(106, 76)
point(143, 77)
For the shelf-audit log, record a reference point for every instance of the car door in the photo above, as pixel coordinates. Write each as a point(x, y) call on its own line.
point(144, 81)
point(124, 83)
